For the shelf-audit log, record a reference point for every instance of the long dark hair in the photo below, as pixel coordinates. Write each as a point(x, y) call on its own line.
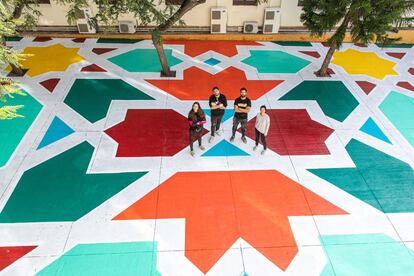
point(193, 115)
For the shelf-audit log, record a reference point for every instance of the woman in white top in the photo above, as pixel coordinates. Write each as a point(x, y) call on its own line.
point(261, 128)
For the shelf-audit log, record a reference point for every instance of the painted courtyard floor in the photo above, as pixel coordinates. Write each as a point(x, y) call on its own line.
point(97, 179)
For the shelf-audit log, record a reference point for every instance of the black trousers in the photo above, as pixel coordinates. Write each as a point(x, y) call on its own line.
point(262, 137)
point(242, 122)
point(215, 123)
point(195, 134)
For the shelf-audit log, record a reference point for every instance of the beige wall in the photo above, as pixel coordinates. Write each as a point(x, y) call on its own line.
point(54, 14)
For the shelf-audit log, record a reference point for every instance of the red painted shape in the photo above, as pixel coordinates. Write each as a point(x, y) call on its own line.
point(150, 132)
point(79, 40)
point(366, 86)
point(406, 85)
point(197, 84)
point(411, 71)
point(225, 47)
point(311, 53)
point(10, 254)
point(100, 51)
point(50, 84)
point(220, 207)
point(293, 132)
point(362, 45)
point(93, 68)
point(42, 39)
point(396, 55)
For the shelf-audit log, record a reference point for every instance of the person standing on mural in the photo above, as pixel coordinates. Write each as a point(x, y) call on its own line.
point(261, 129)
point(196, 120)
point(242, 107)
point(218, 104)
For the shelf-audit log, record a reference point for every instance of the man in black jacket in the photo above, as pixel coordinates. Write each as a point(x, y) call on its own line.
point(218, 104)
point(242, 107)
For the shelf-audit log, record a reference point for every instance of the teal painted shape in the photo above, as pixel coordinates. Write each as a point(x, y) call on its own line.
point(60, 189)
point(268, 61)
point(56, 131)
point(293, 43)
point(395, 45)
point(224, 148)
point(380, 180)
point(91, 98)
point(366, 254)
point(212, 61)
point(105, 259)
point(399, 109)
point(13, 130)
point(143, 60)
point(334, 98)
point(227, 115)
point(118, 40)
point(371, 128)
point(13, 38)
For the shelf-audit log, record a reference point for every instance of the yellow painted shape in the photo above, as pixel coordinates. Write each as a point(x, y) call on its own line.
point(51, 58)
point(365, 63)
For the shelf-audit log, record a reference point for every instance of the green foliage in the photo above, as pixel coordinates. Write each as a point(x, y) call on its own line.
point(366, 20)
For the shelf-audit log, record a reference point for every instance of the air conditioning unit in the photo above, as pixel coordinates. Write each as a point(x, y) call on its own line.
point(218, 20)
point(271, 22)
point(83, 21)
point(250, 27)
point(127, 27)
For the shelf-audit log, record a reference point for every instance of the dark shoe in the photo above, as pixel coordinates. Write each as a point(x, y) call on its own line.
point(231, 138)
point(244, 139)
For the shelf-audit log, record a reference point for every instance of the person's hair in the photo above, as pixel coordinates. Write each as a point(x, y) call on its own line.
point(243, 88)
point(214, 88)
point(193, 115)
point(263, 106)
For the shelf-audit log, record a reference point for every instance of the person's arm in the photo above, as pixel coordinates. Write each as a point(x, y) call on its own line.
point(249, 106)
point(202, 121)
point(236, 109)
point(267, 125)
point(224, 102)
point(212, 104)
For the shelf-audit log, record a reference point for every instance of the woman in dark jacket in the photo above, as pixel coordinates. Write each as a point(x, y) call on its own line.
point(196, 120)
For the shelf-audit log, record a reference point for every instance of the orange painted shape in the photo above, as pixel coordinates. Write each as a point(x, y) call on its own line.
point(197, 84)
point(194, 48)
point(220, 207)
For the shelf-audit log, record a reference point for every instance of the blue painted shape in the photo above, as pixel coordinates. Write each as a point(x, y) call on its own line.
point(227, 115)
point(371, 128)
point(366, 254)
point(225, 148)
point(56, 131)
point(212, 61)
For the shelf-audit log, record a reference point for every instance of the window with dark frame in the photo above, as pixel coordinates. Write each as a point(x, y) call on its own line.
point(244, 2)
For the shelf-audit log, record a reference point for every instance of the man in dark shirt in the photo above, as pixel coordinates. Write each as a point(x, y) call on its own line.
point(218, 104)
point(242, 107)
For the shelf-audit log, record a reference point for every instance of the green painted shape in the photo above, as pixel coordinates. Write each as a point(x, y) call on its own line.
point(399, 109)
point(105, 259)
point(118, 40)
point(12, 131)
point(333, 97)
point(366, 254)
point(293, 43)
point(91, 97)
point(60, 189)
point(380, 180)
point(13, 38)
point(143, 60)
point(268, 61)
point(395, 45)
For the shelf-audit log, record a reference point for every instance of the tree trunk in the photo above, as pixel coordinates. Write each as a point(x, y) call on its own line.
point(156, 34)
point(323, 72)
point(338, 36)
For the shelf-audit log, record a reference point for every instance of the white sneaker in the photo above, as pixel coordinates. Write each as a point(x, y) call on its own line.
point(202, 148)
point(263, 152)
point(218, 132)
point(192, 153)
point(211, 139)
point(255, 148)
